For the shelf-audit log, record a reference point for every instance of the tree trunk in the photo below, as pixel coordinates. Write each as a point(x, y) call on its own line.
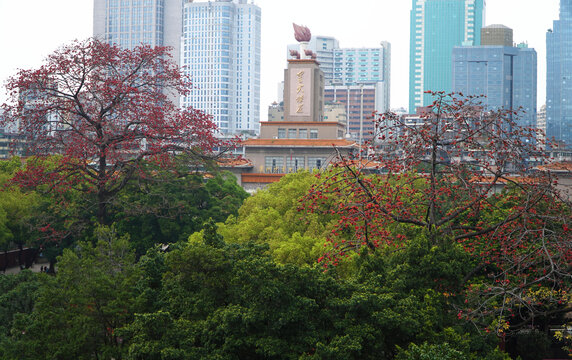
point(20, 253)
point(5, 261)
point(52, 267)
point(102, 208)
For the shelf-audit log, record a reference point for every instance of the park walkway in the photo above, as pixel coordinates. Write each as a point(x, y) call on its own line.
point(36, 267)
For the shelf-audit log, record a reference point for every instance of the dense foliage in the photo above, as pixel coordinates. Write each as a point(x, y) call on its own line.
point(414, 255)
point(209, 298)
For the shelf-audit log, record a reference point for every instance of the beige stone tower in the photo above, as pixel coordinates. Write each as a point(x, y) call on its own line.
point(303, 91)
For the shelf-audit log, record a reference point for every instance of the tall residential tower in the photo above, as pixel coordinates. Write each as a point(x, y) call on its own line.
point(559, 77)
point(436, 27)
point(220, 50)
point(132, 23)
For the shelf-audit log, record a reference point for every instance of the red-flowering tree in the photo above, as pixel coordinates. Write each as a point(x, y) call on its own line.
point(458, 174)
point(104, 110)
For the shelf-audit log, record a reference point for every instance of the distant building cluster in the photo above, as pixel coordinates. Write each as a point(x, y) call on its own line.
point(218, 43)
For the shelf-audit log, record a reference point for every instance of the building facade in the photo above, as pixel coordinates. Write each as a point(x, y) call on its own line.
point(360, 101)
point(324, 47)
point(506, 76)
point(220, 50)
point(541, 122)
point(354, 66)
point(132, 23)
point(559, 77)
point(436, 27)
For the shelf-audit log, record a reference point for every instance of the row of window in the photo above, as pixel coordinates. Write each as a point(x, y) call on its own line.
point(125, 3)
point(277, 165)
point(297, 133)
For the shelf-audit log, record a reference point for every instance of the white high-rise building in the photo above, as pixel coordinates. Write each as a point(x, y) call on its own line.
point(220, 50)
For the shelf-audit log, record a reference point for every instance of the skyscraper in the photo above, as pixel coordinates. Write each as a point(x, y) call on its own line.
point(132, 23)
point(436, 27)
point(506, 75)
point(220, 50)
point(559, 77)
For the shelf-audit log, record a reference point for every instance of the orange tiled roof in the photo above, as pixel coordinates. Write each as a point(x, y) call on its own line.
point(297, 142)
point(556, 167)
point(363, 163)
point(234, 162)
point(503, 180)
point(261, 178)
point(302, 123)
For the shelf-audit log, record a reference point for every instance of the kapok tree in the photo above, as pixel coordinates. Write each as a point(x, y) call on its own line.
point(442, 174)
point(104, 110)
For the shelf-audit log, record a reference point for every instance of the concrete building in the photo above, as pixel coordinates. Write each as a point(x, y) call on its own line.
point(332, 112)
point(559, 77)
point(505, 75)
point(323, 47)
point(220, 50)
point(436, 27)
point(360, 102)
point(361, 65)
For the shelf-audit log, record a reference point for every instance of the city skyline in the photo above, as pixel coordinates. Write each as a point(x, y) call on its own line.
point(353, 27)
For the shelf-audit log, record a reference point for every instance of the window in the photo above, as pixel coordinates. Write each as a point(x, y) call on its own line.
point(281, 133)
point(294, 163)
point(316, 162)
point(313, 133)
point(274, 164)
point(291, 133)
point(303, 133)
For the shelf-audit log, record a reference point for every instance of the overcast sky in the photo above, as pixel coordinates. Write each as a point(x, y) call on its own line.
point(31, 29)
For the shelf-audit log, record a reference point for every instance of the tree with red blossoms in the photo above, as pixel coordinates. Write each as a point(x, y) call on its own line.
point(459, 174)
point(104, 110)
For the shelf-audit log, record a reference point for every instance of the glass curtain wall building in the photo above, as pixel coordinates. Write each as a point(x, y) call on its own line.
point(436, 27)
point(559, 77)
point(220, 50)
point(129, 23)
point(505, 75)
